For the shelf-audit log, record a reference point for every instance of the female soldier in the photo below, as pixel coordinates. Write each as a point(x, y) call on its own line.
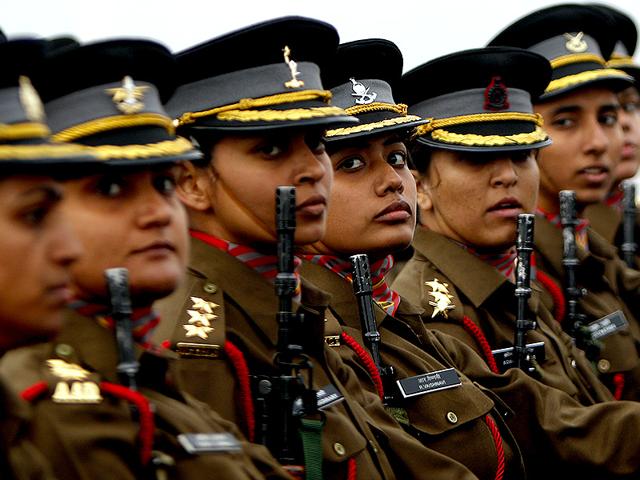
point(254, 102)
point(95, 416)
point(580, 112)
point(437, 403)
point(37, 246)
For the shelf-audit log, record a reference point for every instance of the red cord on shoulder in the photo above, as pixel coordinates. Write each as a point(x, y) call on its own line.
point(477, 334)
point(145, 416)
point(497, 440)
point(618, 382)
point(352, 469)
point(366, 360)
point(236, 357)
point(34, 391)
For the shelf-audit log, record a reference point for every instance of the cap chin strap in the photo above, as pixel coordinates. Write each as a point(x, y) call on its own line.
point(217, 178)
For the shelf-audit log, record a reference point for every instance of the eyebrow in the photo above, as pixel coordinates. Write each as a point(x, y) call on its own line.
point(47, 193)
point(567, 109)
point(393, 139)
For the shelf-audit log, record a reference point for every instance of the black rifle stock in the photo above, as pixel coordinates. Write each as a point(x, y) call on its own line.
point(363, 290)
point(570, 263)
point(524, 247)
point(283, 399)
point(629, 246)
point(118, 285)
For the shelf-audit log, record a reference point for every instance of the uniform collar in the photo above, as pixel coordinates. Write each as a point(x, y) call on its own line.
point(469, 274)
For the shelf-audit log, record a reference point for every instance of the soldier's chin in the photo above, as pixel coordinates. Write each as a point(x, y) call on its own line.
point(145, 293)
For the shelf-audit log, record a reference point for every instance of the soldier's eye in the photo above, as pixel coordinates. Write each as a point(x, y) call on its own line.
point(350, 164)
point(110, 186)
point(164, 184)
point(397, 159)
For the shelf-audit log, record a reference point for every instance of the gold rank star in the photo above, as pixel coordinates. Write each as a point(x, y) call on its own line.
point(202, 305)
point(200, 330)
point(198, 317)
point(128, 97)
point(66, 370)
point(441, 298)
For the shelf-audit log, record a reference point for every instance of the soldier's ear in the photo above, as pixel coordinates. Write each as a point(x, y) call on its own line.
point(193, 184)
point(424, 193)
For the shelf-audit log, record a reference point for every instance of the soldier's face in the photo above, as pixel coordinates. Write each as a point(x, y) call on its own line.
point(234, 196)
point(629, 117)
point(475, 198)
point(37, 247)
point(132, 220)
point(587, 142)
point(373, 199)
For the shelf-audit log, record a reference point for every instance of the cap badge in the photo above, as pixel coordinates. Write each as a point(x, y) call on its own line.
point(362, 94)
point(30, 100)
point(496, 96)
point(128, 98)
point(575, 44)
point(441, 302)
point(201, 314)
point(293, 66)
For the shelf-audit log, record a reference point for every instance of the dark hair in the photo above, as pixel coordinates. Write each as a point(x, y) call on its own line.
point(420, 155)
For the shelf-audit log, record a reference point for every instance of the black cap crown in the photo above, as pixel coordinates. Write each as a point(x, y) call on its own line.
point(479, 100)
point(261, 77)
point(575, 39)
point(361, 78)
point(107, 96)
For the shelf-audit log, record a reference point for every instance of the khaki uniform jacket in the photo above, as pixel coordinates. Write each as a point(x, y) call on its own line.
point(607, 221)
point(429, 416)
point(485, 296)
point(610, 286)
point(358, 427)
point(21, 460)
point(99, 440)
point(558, 437)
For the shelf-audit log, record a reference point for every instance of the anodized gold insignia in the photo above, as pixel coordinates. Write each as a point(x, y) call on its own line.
point(293, 66)
point(575, 44)
point(201, 315)
point(441, 298)
point(30, 100)
point(128, 98)
point(66, 370)
point(77, 392)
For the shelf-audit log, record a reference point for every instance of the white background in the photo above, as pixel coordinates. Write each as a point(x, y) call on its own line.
point(423, 29)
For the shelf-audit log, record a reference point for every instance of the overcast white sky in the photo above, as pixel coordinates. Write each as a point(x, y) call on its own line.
point(423, 29)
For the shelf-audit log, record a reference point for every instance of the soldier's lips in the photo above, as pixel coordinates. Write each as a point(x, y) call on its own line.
point(159, 247)
point(595, 174)
point(506, 207)
point(629, 151)
point(59, 294)
point(314, 206)
point(397, 211)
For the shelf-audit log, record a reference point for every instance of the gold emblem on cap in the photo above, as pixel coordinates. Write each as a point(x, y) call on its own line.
point(293, 66)
point(575, 44)
point(30, 100)
point(441, 302)
point(362, 93)
point(201, 314)
point(128, 97)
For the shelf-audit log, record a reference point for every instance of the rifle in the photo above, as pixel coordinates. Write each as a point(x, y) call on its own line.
point(286, 393)
point(570, 262)
point(629, 246)
point(362, 288)
point(118, 286)
point(524, 247)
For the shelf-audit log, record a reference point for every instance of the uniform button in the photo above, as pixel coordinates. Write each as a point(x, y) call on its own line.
point(339, 448)
point(603, 365)
point(452, 417)
point(373, 446)
point(64, 350)
point(210, 287)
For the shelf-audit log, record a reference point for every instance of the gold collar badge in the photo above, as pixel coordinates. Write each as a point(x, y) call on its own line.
point(441, 298)
point(201, 314)
point(575, 44)
point(293, 66)
point(128, 97)
point(72, 389)
point(30, 100)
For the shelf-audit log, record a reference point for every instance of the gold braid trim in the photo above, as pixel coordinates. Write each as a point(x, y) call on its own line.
point(371, 126)
point(249, 103)
point(479, 117)
point(23, 131)
point(132, 152)
point(271, 115)
point(576, 58)
point(538, 135)
point(400, 108)
point(621, 61)
point(38, 152)
point(111, 123)
point(583, 77)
